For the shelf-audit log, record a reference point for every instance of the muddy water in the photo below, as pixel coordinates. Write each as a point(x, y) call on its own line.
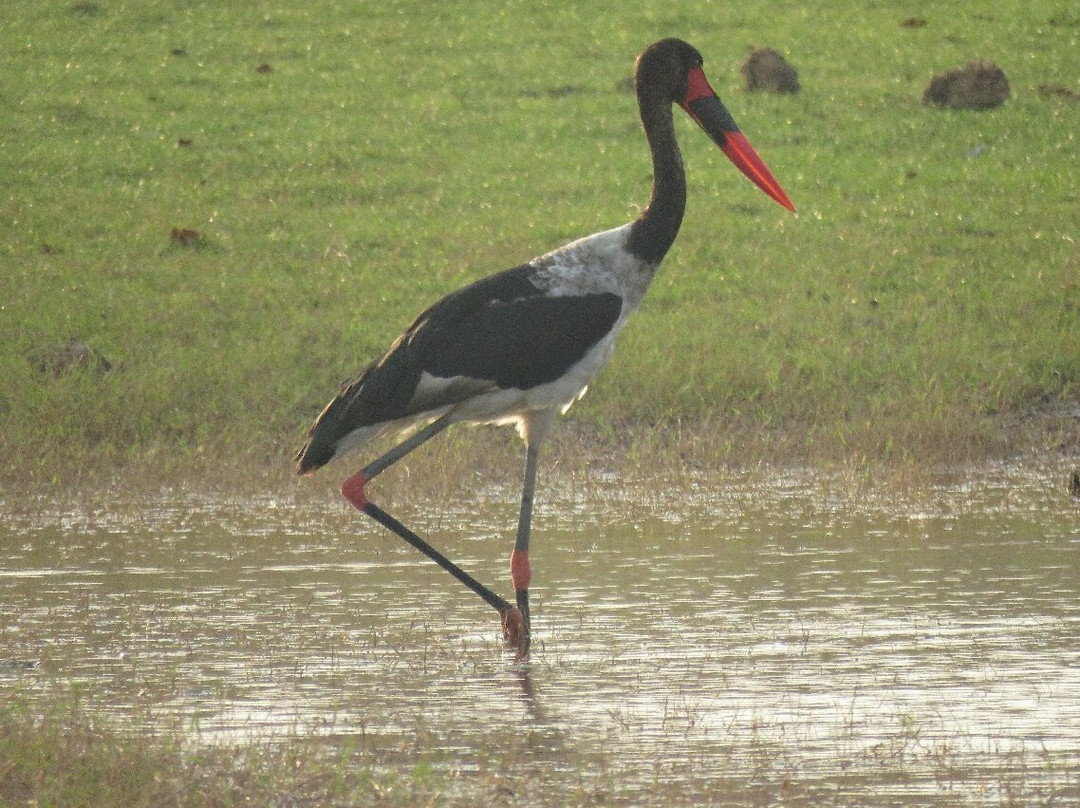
point(725, 638)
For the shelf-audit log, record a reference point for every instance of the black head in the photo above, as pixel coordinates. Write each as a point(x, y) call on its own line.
point(663, 68)
point(670, 72)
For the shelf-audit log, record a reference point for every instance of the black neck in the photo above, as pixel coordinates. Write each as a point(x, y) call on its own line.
point(654, 231)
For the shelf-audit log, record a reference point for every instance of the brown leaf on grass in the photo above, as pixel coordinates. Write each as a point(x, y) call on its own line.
point(1060, 91)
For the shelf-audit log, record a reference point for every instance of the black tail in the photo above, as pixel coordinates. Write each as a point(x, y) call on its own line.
point(319, 448)
point(375, 396)
point(335, 422)
point(381, 393)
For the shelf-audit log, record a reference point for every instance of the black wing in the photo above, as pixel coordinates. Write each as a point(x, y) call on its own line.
point(502, 331)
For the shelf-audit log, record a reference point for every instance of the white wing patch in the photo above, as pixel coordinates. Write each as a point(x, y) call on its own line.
point(597, 264)
point(433, 392)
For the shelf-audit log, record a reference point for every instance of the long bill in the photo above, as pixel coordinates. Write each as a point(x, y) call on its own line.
point(705, 107)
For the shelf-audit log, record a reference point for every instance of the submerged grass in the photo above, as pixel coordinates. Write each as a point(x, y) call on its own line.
point(60, 754)
point(69, 759)
point(342, 165)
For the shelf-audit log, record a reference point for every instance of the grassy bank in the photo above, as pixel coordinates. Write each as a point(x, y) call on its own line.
point(237, 208)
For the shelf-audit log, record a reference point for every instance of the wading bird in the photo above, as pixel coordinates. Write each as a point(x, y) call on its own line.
point(521, 345)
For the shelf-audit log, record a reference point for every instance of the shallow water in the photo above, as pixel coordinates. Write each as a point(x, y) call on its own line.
point(729, 637)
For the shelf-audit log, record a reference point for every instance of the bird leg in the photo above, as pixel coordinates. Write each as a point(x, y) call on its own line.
point(520, 568)
point(353, 489)
point(501, 605)
point(414, 441)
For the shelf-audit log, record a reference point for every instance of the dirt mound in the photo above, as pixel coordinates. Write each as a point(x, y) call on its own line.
point(768, 71)
point(976, 85)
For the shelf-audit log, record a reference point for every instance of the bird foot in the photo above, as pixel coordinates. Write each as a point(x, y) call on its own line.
point(515, 633)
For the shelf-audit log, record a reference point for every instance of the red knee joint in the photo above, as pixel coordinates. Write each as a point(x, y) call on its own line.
point(353, 490)
point(520, 569)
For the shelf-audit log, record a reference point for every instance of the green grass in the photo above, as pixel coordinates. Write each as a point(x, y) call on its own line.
point(927, 292)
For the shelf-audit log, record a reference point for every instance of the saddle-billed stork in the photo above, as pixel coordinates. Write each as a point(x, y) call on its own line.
point(521, 345)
